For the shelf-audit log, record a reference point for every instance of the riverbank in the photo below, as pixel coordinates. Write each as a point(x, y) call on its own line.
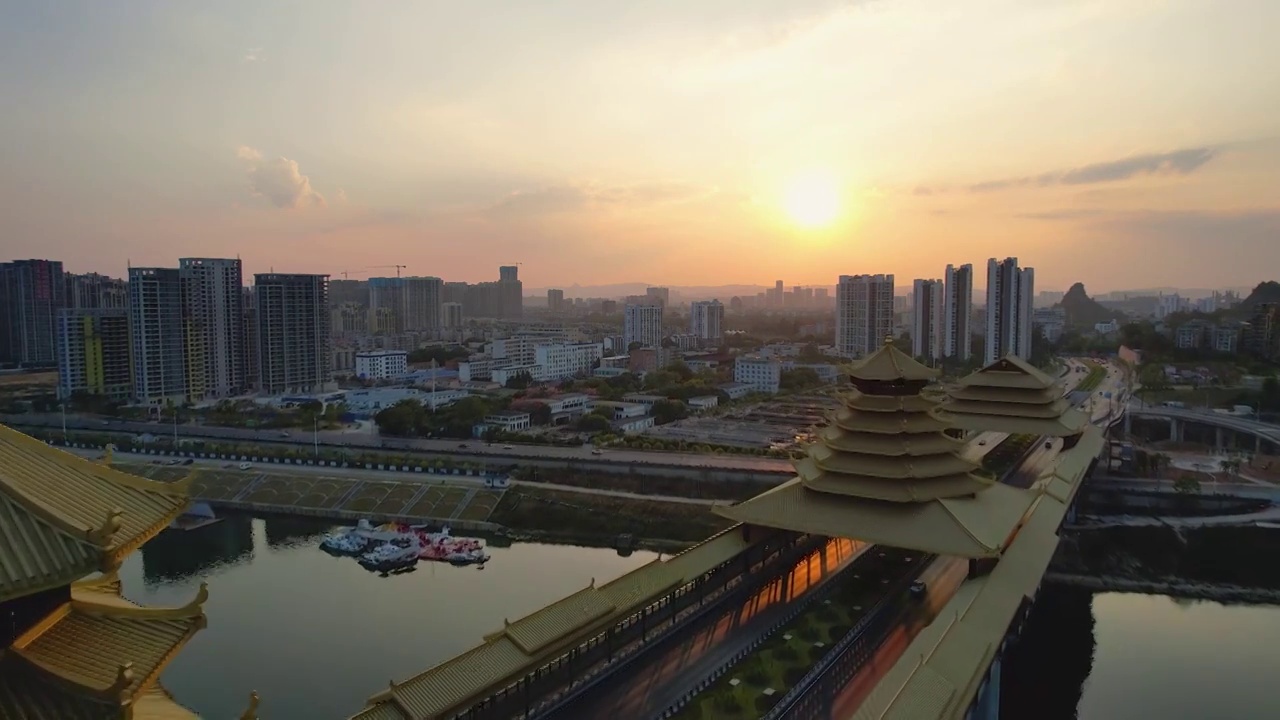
point(1172, 588)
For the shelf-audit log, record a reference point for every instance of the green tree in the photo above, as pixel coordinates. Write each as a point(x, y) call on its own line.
point(665, 411)
point(1187, 485)
point(799, 379)
point(593, 422)
point(519, 381)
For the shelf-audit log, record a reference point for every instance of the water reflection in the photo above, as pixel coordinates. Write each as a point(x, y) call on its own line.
point(316, 635)
point(283, 530)
point(1115, 655)
point(177, 555)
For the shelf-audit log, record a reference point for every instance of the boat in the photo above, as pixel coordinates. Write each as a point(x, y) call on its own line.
point(474, 556)
point(344, 543)
point(390, 557)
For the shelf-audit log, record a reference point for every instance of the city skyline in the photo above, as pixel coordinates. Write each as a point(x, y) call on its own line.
point(744, 140)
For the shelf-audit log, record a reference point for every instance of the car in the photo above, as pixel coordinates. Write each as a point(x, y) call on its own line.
point(188, 461)
point(982, 442)
point(597, 452)
point(919, 589)
point(507, 447)
point(245, 466)
point(462, 446)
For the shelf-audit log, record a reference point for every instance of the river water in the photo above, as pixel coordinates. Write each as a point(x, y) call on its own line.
point(316, 635)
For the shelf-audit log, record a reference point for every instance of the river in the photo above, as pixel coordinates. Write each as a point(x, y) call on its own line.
point(316, 635)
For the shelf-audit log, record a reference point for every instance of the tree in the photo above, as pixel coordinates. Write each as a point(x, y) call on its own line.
point(799, 379)
point(1187, 485)
point(405, 418)
point(665, 411)
point(519, 381)
point(593, 422)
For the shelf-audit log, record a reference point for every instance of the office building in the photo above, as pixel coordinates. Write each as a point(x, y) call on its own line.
point(763, 375)
point(31, 294)
point(642, 324)
point(91, 290)
point(957, 309)
point(660, 295)
point(294, 349)
point(214, 313)
point(93, 353)
point(1010, 293)
point(555, 300)
point(928, 322)
point(423, 297)
point(864, 313)
point(706, 321)
point(381, 364)
point(563, 361)
point(157, 337)
point(1050, 322)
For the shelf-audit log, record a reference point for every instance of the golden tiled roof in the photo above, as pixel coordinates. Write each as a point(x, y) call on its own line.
point(1011, 396)
point(66, 516)
point(97, 656)
point(521, 646)
point(890, 363)
point(879, 444)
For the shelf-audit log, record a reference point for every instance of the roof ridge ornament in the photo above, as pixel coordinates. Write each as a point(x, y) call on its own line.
point(124, 678)
point(251, 712)
point(110, 526)
point(888, 339)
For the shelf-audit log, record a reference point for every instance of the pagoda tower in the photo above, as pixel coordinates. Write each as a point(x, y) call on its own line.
point(1011, 396)
point(887, 470)
point(71, 646)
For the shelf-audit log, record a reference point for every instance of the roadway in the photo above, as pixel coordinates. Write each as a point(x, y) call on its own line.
point(386, 476)
point(354, 442)
point(1237, 423)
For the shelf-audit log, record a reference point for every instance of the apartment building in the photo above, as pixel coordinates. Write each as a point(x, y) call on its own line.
point(642, 324)
point(928, 324)
point(560, 362)
point(294, 346)
point(213, 289)
point(864, 313)
point(1010, 292)
point(92, 290)
point(423, 297)
point(381, 364)
point(706, 322)
point(555, 300)
point(93, 353)
point(957, 309)
point(159, 340)
point(762, 374)
point(31, 294)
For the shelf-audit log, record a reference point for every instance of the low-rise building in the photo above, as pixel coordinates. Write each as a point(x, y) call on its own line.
point(505, 374)
point(633, 424)
point(559, 362)
point(1190, 335)
point(826, 372)
point(509, 420)
point(381, 364)
point(609, 372)
point(643, 399)
point(737, 390)
point(367, 403)
point(571, 403)
point(703, 403)
point(762, 374)
point(1226, 338)
point(621, 409)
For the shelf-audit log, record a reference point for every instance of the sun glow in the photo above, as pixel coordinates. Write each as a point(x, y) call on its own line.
point(812, 200)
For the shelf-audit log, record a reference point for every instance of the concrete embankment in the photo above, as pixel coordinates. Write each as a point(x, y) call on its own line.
point(1174, 588)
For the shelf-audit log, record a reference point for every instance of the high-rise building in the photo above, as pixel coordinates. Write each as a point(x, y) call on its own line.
point(864, 313)
point(706, 321)
point(927, 324)
point(31, 294)
point(510, 292)
point(386, 305)
point(92, 290)
point(294, 350)
point(93, 353)
point(660, 294)
point(214, 289)
point(249, 346)
point(422, 299)
point(1010, 293)
point(451, 315)
point(350, 320)
point(642, 324)
point(157, 337)
point(555, 300)
point(957, 308)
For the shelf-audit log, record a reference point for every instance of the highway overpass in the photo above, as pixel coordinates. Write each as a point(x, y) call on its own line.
point(1263, 433)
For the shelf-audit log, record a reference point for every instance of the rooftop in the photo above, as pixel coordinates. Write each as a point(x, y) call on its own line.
point(1012, 396)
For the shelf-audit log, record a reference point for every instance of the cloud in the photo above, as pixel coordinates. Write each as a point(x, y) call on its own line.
point(1063, 214)
point(278, 180)
point(576, 196)
point(252, 55)
point(1178, 162)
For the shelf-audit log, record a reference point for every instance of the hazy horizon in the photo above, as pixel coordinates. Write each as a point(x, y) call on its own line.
point(1117, 143)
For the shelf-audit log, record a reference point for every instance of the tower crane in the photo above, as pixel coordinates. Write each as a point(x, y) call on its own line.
point(397, 267)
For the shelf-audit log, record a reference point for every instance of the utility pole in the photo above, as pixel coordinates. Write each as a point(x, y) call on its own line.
point(63, 405)
point(315, 435)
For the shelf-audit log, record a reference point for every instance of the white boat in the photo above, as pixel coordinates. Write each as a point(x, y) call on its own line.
point(344, 543)
point(386, 558)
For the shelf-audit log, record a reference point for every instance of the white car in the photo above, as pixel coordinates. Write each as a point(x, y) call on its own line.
point(245, 465)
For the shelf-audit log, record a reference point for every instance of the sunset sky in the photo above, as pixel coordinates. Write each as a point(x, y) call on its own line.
point(1122, 143)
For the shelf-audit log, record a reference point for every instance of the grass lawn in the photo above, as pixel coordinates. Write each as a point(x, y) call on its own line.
point(1097, 373)
point(785, 658)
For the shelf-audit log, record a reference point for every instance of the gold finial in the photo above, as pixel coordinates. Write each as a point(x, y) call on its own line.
point(110, 526)
point(251, 712)
point(888, 339)
point(124, 678)
point(593, 583)
point(202, 595)
point(506, 623)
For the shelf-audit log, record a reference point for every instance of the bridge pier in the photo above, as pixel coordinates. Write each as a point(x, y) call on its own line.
point(1128, 424)
point(1219, 441)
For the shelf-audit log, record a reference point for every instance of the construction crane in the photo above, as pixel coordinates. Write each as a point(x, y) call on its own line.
point(346, 273)
point(397, 267)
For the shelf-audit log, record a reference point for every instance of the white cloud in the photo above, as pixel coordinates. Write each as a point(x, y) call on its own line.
point(278, 180)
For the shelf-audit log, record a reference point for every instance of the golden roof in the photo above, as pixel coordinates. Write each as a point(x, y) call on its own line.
point(1011, 396)
point(66, 516)
point(941, 671)
point(525, 644)
point(97, 656)
point(972, 526)
point(836, 438)
point(890, 363)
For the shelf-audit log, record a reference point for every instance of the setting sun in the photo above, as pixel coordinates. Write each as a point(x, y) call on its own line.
point(812, 200)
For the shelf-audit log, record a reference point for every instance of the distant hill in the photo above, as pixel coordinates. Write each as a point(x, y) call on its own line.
point(1084, 311)
point(1265, 292)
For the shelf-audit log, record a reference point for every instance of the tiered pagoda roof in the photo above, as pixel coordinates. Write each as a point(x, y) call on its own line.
point(886, 471)
point(78, 650)
point(1011, 396)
